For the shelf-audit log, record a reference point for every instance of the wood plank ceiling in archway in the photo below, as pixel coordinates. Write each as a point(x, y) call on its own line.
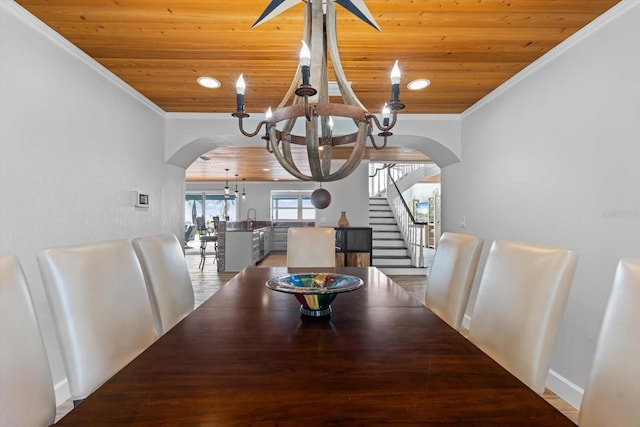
point(466, 48)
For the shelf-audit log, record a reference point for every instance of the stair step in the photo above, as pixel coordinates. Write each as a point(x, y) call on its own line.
point(387, 244)
point(391, 257)
point(392, 246)
point(389, 252)
point(383, 221)
point(388, 261)
point(384, 228)
point(389, 248)
point(403, 271)
point(388, 235)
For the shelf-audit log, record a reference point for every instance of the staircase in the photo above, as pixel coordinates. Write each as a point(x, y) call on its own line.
point(389, 249)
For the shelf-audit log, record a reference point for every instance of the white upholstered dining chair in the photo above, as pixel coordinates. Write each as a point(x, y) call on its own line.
point(519, 306)
point(612, 394)
point(167, 278)
point(101, 311)
point(451, 276)
point(311, 247)
point(26, 387)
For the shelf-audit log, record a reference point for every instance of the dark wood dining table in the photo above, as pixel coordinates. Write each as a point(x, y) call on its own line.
point(247, 357)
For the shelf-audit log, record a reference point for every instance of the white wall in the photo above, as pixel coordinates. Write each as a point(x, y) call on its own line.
point(350, 195)
point(553, 158)
point(189, 135)
point(74, 146)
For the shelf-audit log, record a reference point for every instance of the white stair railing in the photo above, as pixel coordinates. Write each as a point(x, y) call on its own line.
point(412, 231)
point(378, 179)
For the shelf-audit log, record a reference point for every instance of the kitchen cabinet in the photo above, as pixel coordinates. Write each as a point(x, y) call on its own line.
point(280, 239)
point(245, 247)
point(281, 230)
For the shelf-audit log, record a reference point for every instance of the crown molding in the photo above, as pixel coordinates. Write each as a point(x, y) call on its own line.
point(589, 29)
point(30, 20)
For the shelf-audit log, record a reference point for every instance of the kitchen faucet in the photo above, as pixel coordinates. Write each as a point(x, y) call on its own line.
point(251, 220)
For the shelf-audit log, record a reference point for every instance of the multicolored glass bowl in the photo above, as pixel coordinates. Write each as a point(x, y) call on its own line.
point(315, 291)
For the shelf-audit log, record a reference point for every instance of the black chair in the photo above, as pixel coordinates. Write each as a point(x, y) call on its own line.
point(206, 237)
point(189, 234)
point(202, 226)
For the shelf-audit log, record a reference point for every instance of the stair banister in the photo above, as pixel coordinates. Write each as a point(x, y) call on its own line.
point(378, 180)
point(412, 230)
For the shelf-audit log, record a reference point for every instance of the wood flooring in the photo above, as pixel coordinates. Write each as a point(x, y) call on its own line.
point(208, 281)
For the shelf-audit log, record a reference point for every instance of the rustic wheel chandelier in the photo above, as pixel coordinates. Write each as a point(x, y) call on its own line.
point(310, 92)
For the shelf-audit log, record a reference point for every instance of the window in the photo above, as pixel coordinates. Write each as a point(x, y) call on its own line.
point(214, 205)
point(292, 206)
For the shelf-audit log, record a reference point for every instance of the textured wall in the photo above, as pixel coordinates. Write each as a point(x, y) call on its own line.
point(553, 159)
point(74, 147)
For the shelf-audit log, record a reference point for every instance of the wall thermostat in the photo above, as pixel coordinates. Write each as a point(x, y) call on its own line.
point(142, 200)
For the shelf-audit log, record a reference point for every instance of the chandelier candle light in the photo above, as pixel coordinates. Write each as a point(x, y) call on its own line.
point(310, 92)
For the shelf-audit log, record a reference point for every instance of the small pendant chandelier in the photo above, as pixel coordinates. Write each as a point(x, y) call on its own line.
point(226, 185)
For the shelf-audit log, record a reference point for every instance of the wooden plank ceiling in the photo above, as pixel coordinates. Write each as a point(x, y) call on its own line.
point(465, 47)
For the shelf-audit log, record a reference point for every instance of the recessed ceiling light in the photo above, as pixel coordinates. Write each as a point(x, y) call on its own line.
point(266, 169)
point(418, 84)
point(208, 82)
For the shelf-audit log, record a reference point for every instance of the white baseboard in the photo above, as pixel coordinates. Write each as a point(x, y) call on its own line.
point(568, 391)
point(62, 392)
point(466, 321)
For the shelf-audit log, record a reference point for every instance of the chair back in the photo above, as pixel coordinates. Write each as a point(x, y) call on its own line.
point(189, 233)
point(451, 276)
point(101, 311)
point(202, 226)
point(26, 387)
point(521, 299)
point(167, 278)
point(311, 247)
point(612, 394)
